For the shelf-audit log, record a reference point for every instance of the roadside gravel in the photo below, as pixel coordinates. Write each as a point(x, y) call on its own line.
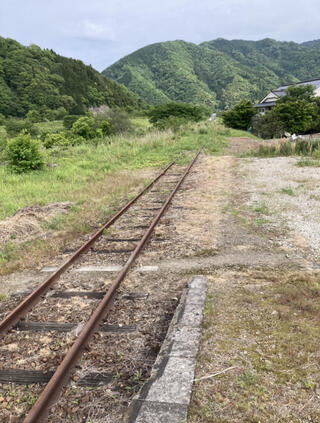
point(287, 196)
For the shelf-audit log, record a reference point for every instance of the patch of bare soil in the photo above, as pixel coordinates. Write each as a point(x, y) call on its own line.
point(240, 145)
point(29, 222)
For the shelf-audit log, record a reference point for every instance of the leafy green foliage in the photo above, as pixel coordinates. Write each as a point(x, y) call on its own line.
point(15, 126)
point(175, 114)
point(69, 120)
point(42, 81)
point(298, 116)
point(52, 140)
point(240, 116)
point(23, 154)
point(84, 127)
point(217, 73)
point(268, 126)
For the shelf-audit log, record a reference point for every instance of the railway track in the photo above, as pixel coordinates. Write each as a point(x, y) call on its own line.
point(45, 338)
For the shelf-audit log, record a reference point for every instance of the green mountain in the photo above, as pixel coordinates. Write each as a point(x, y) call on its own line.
point(217, 73)
point(311, 44)
point(32, 78)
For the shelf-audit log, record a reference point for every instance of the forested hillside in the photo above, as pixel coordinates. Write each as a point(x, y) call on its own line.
point(218, 73)
point(36, 79)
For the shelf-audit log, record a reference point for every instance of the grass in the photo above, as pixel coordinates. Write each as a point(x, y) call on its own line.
point(288, 148)
point(50, 127)
point(270, 333)
point(288, 191)
point(95, 178)
point(308, 163)
point(82, 165)
point(262, 208)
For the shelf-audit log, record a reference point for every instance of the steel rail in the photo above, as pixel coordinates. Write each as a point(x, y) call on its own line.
point(51, 392)
point(22, 309)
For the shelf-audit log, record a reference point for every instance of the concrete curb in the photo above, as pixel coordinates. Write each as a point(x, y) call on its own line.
point(166, 396)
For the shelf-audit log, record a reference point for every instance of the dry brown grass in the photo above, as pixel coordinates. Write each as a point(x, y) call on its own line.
point(267, 325)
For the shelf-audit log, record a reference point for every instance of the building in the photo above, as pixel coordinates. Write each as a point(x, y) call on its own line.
point(270, 100)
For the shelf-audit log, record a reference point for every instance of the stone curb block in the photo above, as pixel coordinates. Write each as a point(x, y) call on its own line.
point(166, 396)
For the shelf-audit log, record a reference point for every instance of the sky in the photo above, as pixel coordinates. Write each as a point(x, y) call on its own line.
point(100, 32)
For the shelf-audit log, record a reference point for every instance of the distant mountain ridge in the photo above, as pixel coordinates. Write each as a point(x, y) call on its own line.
point(36, 79)
point(216, 73)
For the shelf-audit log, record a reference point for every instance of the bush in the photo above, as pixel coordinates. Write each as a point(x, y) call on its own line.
point(51, 140)
point(268, 126)
point(172, 122)
point(23, 154)
point(33, 116)
point(105, 127)
point(15, 126)
point(2, 120)
point(240, 116)
point(117, 120)
point(84, 127)
point(181, 111)
point(69, 120)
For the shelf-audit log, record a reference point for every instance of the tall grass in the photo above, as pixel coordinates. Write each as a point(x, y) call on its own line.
point(289, 148)
point(70, 170)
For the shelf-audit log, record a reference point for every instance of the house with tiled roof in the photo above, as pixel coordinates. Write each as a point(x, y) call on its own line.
point(269, 100)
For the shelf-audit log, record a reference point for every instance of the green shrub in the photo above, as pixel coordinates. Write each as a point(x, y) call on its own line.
point(23, 154)
point(268, 126)
point(172, 122)
point(240, 116)
point(51, 140)
point(2, 120)
point(84, 127)
point(69, 120)
point(15, 126)
point(75, 139)
point(180, 111)
point(33, 116)
point(105, 127)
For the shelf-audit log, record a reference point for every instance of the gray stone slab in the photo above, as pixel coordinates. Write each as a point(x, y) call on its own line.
point(98, 269)
point(199, 282)
point(110, 268)
point(174, 381)
point(196, 297)
point(148, 269)
point(165, 398)
point(48, 269)
point(191, 316)
point(154, 412)
point(184, 342)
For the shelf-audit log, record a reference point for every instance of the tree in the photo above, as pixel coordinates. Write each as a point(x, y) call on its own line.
point(298, 116)
point(181, 111)
point(268, 126)
point(298, 109)
point(240, 116)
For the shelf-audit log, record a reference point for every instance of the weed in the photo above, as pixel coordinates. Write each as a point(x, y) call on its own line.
point(308, 163)
point(263, 209)
point(288, 191)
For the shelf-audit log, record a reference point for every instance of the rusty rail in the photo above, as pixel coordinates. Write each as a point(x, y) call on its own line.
point(22, 309)
point(52, 390)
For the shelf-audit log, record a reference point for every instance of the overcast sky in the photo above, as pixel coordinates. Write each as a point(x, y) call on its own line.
point(100, 32)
